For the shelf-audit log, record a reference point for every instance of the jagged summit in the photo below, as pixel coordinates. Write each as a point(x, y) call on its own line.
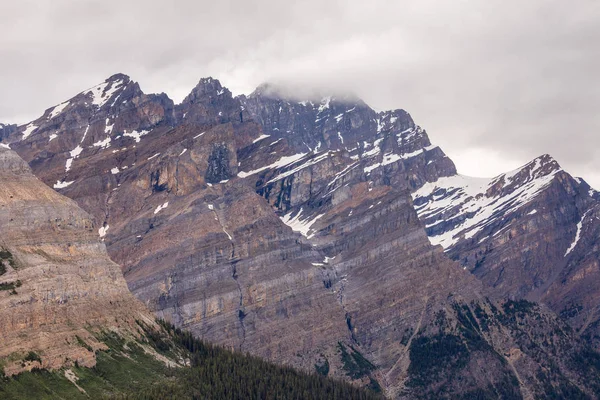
point(286, 228)
point(118, 77)
point(209, 103)
point(459, 207)
point(206, 87)
point(519, 232)
point(536, 168)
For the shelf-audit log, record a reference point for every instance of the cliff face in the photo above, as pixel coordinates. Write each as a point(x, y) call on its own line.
point(287, 229)
point(58, 286)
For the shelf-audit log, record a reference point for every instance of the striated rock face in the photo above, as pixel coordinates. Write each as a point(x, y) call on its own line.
point(399, 294)
point(287, 229)
point(197, 246)
point(58, 287)
point(528, 234)
point(389, 144)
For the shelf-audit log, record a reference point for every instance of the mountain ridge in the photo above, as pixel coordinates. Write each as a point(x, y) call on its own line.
point(288, 230)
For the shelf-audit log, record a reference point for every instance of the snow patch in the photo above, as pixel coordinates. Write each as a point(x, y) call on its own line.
point(28, 130)
point(102, 231)
point(107, 127)
point(307, 164)
point(137, 136)
point(577, 234)
point(58, 109)
point(324, 104)
point(100, 93)
point(76, 151)
point(261, 137)
point(300, 225)
point(61, 185)
point(282, 162)
point(103, 143)
point(161, 207)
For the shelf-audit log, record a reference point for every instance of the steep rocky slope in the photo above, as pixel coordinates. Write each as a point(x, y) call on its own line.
point(529, 233)
point(58, 287)
point(286, 228)
point(350, 211)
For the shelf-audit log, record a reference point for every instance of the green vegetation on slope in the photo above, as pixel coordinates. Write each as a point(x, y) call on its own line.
point(128, 371)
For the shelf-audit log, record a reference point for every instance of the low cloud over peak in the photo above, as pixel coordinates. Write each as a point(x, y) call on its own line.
point(495, 84)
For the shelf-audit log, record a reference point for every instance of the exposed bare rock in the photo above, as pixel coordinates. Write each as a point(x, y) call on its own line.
point(377, 257)
point(287, 229)
point(389, 144)
point(210, 103)
point(7, 130)
point(58, 287)
point(529, 233)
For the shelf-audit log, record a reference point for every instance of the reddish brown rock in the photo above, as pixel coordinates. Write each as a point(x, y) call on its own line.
point(295, 238)
point(59, 287)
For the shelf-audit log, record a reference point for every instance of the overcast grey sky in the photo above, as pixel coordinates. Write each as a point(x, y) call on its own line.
point(495, 83)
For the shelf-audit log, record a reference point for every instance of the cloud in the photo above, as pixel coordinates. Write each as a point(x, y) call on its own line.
point(495, 83)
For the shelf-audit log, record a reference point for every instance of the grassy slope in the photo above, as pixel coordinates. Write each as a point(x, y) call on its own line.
point(127, 371)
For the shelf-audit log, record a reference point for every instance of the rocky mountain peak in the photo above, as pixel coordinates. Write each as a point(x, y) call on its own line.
point(206, 88)
point(540, 169)
point(295, 238)
point(209, 103)
point(109, 91)
point(524, 233)
point(458, 207)
point(118, 77)
point(398, 120)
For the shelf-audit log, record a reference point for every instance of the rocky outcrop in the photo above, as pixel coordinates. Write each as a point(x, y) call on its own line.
point(210, 103)
point(58, 287)
point(287, 229)
point(7, 130)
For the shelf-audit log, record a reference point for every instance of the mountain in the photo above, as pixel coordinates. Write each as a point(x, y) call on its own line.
point(71, 329)
point(58, 287)
point(287, 229)
point(528, 234)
